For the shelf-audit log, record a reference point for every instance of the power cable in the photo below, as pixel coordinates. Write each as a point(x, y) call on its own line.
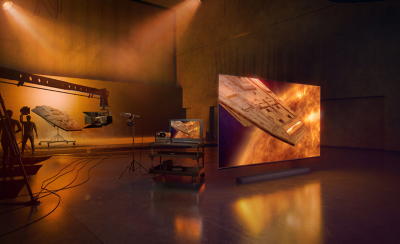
point(66, 187)
point(37, 197)
point(56, 10)
point(59, 200)
point(37, 9)
point(49, 11)
point(54, 191)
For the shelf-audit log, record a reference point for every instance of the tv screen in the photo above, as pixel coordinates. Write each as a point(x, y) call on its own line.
point(263, 121)
point(186, 130)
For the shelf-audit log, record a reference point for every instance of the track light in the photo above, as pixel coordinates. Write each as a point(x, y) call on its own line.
point(7, 5)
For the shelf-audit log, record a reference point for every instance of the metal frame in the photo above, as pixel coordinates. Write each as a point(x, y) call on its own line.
point(57, 138)
point(186, 171)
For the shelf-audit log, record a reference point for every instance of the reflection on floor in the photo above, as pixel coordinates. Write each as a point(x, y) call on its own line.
point(350, 196)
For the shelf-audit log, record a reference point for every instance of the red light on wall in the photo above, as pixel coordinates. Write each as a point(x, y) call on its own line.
point(7, 5)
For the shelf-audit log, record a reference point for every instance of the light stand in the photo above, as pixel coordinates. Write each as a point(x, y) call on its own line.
point(131, 166)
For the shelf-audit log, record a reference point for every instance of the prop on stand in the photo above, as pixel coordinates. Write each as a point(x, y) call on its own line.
point(59, 119)
point(131, 122)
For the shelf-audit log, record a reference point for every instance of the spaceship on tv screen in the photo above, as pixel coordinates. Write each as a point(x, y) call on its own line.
point(185, 129)
point(263, 121)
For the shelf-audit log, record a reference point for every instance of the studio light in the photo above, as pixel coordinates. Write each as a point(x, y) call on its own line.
point(7, 5)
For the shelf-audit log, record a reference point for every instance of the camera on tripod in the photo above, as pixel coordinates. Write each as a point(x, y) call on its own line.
point(25, 110)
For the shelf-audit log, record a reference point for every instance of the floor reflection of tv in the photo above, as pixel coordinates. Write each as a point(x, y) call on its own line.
point(263, 121)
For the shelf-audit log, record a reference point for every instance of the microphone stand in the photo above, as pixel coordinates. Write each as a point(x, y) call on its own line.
point(131, 165)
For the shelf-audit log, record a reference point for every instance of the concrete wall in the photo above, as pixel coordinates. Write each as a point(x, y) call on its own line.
point(113, 40)
point(354, 122)
point(350, 50)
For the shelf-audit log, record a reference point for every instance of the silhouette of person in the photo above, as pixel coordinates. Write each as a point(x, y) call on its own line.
point(6, 142)
point(29, 126)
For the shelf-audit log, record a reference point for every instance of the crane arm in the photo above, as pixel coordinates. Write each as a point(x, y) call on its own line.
point(23, 77)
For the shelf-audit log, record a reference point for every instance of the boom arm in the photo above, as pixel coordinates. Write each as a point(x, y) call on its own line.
point(23, 77)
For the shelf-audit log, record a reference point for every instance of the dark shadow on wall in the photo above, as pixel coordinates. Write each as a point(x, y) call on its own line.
point(357, 122)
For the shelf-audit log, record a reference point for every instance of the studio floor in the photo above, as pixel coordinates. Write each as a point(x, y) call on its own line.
point(350, 196)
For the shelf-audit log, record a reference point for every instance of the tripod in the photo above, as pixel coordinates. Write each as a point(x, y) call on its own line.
point(131, 165)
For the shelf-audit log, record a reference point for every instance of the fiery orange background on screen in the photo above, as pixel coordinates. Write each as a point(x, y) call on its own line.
point(259, 147)
point(195, 126)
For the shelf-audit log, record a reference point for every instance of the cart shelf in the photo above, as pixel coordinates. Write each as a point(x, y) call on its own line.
point(186, 171)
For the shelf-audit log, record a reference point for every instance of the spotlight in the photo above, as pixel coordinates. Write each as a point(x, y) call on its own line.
point(7, 5)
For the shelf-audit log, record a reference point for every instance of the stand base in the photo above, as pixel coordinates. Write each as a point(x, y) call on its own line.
point(131, 167)
point(57, 138)
point(271, 175)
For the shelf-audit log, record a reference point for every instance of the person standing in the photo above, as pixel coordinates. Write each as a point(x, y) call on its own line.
point(6, 142)
point(29, 126)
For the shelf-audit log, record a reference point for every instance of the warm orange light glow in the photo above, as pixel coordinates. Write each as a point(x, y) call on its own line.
point(296, 211)
point(40, 38)
point(293, 126)
point(305, 101)
point(201, 190)
point(188, 228)
point(194, 128)
point(7, 5)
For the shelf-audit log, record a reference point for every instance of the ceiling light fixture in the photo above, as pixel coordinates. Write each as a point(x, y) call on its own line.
point(7, 5)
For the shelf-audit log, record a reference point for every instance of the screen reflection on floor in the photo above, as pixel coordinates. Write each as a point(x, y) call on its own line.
point(187, 222)
point(273, 216)
point(189, 228)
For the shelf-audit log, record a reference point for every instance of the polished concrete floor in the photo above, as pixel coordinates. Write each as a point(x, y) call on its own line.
point(350, 196)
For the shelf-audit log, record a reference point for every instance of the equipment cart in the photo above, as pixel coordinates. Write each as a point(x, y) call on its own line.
point(168, 152)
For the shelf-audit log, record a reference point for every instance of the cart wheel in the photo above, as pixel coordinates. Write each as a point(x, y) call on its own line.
point(154, 177)
point(193, 179)
point(202, 175)
point(40, 143)
point(73, 143)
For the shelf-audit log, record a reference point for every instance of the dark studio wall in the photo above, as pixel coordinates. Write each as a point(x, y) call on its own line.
point(102, 40)
point(124, 46)
point(351, 50)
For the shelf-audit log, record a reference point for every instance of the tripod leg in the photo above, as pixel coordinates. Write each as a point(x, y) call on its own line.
point(141, 166)
point(123, 173)
point(131, 166)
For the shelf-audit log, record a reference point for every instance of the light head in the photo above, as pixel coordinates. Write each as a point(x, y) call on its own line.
point(7, 5)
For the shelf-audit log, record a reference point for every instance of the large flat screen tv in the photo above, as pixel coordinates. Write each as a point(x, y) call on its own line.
point(186, 130)
point(263, 121)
